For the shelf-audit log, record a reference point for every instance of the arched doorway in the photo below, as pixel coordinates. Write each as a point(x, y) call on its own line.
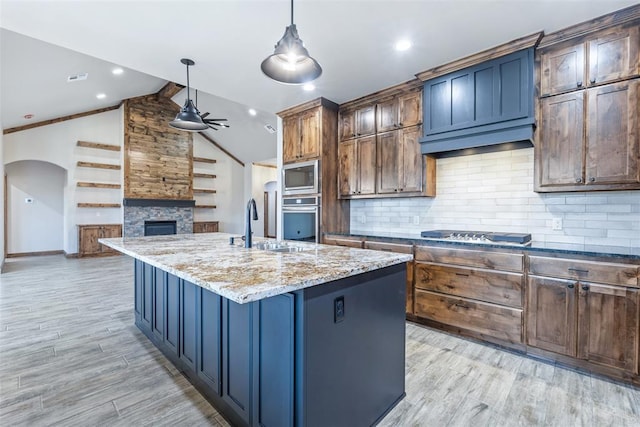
point(34, 221)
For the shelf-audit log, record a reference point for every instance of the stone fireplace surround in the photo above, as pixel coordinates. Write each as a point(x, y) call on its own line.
point(137, 211)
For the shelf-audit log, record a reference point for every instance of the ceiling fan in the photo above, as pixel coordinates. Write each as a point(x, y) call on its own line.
point(212, 123)
point(189, 118)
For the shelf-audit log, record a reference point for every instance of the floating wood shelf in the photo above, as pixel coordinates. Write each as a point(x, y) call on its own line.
point(203, 190)
point(204, 175)
point(98, 165)
point(204, 160)
point(98, 185)
point(98, 205)
point(98, 146)
point(205, 206)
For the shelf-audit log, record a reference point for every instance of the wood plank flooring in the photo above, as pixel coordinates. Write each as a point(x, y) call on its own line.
point(71, 355)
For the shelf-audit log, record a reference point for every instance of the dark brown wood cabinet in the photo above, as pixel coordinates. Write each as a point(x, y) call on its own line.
point(357, 166)
point(401, 165)
point(89, 234)
point(301, 136)
point(584, 309)
point(205, 226)
point(398, 112)
point(588, 138)
point(357, 123)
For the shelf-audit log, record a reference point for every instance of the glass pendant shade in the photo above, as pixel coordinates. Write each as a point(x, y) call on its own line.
point(290, 62)
point(188, 118)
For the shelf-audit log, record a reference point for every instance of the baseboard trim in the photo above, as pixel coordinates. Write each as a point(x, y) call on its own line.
point(2, 266)
point(41, 253)
point(73, 255)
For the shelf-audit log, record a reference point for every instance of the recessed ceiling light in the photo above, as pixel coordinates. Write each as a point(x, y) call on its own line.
point(101, 96)
point(252, 112)
point(402, 45)
point(309, 87)
point(117, 71)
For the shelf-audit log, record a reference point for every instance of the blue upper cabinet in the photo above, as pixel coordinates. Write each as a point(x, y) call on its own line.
point(463, 109)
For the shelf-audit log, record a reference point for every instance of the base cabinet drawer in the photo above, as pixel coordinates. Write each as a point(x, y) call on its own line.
point(483, 318)
point(490, 286)
point(592, 271)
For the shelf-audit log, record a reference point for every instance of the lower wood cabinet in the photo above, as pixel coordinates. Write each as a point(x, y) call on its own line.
point(205, 226)
point(578, 317)
point(89, 234)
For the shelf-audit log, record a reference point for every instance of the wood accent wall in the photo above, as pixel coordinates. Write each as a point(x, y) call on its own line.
point(158, 159)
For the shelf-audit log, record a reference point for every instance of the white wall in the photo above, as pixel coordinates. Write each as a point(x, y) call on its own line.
point(260, 175)
point(271, 188)
point(229, 185)
point(56, 143)
point(2, 248)
point(494, 192)
point(37, 226)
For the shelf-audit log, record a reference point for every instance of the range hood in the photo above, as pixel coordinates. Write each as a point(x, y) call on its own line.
point(485, 107)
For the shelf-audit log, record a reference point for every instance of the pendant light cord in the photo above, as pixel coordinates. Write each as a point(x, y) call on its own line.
point(188, 90)
point(291, 12)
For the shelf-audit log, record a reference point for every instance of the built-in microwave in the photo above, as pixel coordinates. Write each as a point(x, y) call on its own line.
point(300, 178)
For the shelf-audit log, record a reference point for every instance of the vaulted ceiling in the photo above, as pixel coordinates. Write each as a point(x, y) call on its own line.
point(353, 41)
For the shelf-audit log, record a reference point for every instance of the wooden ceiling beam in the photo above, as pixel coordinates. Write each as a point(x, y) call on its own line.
point(169, 90)
point(60, 119)
point(208, 138)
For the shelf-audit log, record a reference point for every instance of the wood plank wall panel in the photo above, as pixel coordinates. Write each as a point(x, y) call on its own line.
point(158, 159)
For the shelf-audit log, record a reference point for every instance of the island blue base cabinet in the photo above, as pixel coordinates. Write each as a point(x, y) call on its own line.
point(329, 355)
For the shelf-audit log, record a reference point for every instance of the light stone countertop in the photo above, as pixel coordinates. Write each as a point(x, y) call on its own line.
point(246, 275)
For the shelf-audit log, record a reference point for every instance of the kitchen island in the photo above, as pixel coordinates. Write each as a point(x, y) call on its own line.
point(307, 336)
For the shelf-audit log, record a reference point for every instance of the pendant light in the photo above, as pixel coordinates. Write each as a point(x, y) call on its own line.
point(188, 118)
point(290, 62)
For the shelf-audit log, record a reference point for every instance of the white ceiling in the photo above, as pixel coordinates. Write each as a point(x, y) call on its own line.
point(353, 41)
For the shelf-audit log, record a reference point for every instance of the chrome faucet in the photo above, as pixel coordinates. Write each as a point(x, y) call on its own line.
point(247, 227)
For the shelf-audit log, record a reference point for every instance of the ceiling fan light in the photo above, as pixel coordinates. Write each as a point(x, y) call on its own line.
point(188, 118)
point(291, 62)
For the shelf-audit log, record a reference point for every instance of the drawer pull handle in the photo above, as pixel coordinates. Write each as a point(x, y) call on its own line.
point(585, 288)
point(578, 270)
point(458, 304)
point(462, 274)
point(570, 285)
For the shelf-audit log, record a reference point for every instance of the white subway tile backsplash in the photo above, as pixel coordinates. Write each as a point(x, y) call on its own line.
point(494, 192)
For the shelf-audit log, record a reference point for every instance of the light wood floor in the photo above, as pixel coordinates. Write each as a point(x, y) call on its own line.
point(70, 355)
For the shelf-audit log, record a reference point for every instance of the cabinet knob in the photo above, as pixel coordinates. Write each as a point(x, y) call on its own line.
point(570, 285)
point(353, 134)
point(593, 80)
point(585, 287)
point(395, 189)
point(400, 124)
point(402, 189)
point(578, 180)
point(579, 83)
point(592, 179)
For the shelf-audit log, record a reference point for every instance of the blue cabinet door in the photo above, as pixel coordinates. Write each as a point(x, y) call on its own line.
point(188, 317)
point(172, 312)
point(147, 297)
point(210, 339)
point(276, 361)
point(157, 318)
point(494, 91)
point(138, 280)
point(237, 347)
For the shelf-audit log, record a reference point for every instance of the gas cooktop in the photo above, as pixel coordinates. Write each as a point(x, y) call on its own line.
point(496, 238)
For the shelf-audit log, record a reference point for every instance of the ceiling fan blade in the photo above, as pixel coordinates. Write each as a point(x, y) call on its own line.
point(216, 120)
point(211, 127)
point(204, 115)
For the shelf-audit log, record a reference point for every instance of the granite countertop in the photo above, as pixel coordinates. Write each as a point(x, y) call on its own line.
point(246, 275)
point(540, 247)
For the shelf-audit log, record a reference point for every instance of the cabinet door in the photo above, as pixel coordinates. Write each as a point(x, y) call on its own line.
point(310, 134)
point(608, 325)
point(366, 165)
point(147, 297)
point(410, 109)
point(388, 160)
point(562, 70)
point(560, 150)
point(411, 163)
point(366, 121)
point(210, 339)
point(157, 318)
point(290, 139)
point(138, 289)
point(387, 115)
point(551, 315)
point(614, 56)
point(172, 313)
point(89, 240)
point(188, 317)
point(347, 168)
point(410, 288)
point(613, 143)
point(236, 372)
point(347, 125)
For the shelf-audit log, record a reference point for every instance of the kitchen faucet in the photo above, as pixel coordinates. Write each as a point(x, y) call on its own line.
point(247, 227)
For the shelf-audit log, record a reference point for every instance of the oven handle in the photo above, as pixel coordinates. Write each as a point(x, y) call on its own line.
point(300, 209)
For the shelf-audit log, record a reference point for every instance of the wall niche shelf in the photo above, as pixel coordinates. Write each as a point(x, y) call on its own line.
point(98, 165)
point(97, 185)
point(99, 205)
point(98, 145)
point(204, 160)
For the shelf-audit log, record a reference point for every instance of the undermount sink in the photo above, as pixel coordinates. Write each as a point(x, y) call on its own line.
point(277, 247)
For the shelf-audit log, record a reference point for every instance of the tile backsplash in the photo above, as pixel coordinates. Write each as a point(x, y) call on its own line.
point(494, 192)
